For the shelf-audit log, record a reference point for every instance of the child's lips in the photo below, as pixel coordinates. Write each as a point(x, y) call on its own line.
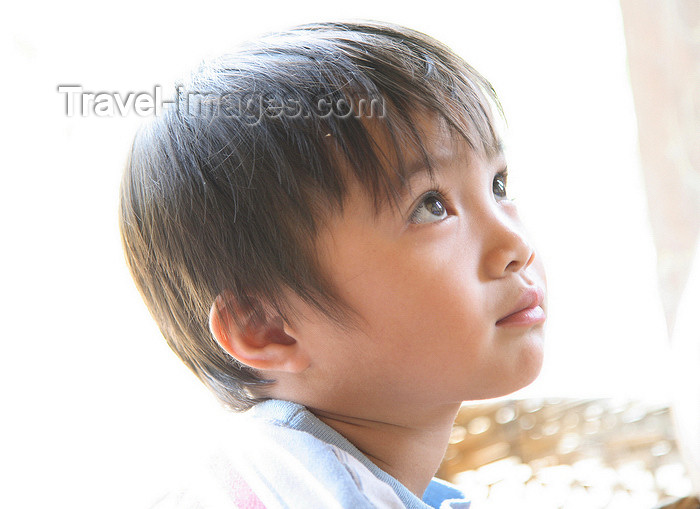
point(528, 310)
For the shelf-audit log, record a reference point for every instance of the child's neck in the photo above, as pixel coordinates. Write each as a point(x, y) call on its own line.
point(409, 451)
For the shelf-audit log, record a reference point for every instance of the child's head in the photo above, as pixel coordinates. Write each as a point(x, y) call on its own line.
point(302, 187)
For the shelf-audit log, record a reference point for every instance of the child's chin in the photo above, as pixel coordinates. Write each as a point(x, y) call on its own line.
point(528, 372)
point(508, 389)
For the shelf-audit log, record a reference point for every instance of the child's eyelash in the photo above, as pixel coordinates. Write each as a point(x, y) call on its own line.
point(436, 193)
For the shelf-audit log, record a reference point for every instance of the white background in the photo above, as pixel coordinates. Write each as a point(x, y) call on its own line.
point(97, 412)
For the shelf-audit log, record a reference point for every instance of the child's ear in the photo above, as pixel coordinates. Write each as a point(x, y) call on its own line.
point(262, 341)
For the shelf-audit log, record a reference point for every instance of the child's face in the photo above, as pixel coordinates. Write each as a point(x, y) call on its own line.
point(432, 282)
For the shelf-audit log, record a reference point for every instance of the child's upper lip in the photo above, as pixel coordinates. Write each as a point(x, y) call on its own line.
point(530, 297)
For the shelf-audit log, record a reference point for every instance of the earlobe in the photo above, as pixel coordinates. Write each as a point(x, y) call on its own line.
point(255, 339)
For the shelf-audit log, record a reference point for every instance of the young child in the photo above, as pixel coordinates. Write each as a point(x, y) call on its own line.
point(320, 226)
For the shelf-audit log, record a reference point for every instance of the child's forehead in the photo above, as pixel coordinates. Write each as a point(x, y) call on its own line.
point(433, 146)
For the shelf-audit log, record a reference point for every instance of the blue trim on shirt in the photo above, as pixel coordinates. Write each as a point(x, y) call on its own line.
point(295, 416)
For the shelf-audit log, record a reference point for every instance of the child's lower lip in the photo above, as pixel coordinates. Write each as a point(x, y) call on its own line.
point(523, 318)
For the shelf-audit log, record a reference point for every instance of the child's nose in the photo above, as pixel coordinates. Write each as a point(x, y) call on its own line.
point(507, 248)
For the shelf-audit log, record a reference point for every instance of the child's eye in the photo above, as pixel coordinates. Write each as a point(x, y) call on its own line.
point(500, 184)
point(430, 209)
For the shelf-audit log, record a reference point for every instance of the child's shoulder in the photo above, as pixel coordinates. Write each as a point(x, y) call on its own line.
point(292, 459)
point(278, 454)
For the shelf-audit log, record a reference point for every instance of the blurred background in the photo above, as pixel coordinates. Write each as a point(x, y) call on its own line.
point(603, 116)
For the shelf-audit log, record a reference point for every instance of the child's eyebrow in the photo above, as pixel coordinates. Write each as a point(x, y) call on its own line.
point(414, 169)
point(432, 165)
point(417, 169)
point(431, 162)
